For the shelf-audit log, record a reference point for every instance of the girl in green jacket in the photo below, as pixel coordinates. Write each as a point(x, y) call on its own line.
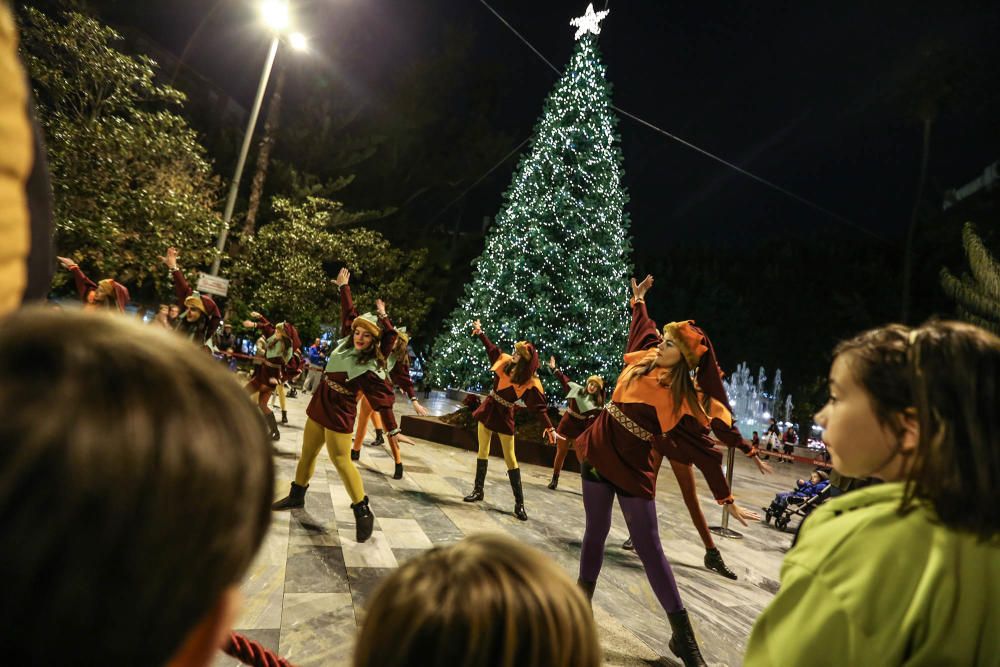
point(906, 572)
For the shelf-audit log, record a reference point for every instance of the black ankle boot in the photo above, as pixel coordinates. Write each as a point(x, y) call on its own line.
point(296, 498)
point(588, 589)
point(477, 490)
point(272, 425)
point(555, 481)
point(379, 440)
point(399, 471)
point(284, 416)
point(714, 562)
point(683, 643)
point(355, 455)
point(293, 393)
point(515, 485)
point(364, 520)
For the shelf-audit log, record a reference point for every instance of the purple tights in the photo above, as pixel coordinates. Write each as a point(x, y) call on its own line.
point(640, 515)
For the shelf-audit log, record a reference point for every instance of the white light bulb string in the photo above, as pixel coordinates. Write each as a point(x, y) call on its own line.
point(683, 142)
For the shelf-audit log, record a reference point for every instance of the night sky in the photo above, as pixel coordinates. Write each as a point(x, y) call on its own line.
point(812, 96)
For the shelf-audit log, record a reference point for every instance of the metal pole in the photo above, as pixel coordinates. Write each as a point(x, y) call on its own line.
point(234, 187)
point(724, 530)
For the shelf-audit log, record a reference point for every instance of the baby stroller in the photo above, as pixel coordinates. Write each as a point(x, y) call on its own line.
point(802, 507)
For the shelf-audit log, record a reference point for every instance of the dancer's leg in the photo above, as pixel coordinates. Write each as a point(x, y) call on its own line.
point(640, 515)
point(685, 480)
point(507, 444)
point(361, 427)
point(312, 443)
point(339, 447)
point(280, 390)
point(485, 437)
point(562, 448)
point(598, 500)
point(263, 397)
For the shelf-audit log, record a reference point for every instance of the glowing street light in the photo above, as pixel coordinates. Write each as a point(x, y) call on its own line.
point(275, 15)
point(298, 41)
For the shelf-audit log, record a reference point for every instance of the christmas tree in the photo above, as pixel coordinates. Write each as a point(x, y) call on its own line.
point(977, 294)
point(557, 260)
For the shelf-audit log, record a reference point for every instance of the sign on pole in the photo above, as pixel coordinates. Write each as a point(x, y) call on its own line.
point(213, 284)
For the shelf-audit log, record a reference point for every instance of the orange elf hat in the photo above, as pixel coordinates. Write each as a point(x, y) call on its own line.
point(697, 349)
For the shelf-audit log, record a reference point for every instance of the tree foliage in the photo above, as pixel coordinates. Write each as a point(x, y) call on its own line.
point(977, 292)
point(130, 175)
point(289, 265)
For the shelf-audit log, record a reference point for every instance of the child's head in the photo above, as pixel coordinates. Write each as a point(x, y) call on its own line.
point(135, 484)
point(817, 476)
point(921, 405)
point(487, 600)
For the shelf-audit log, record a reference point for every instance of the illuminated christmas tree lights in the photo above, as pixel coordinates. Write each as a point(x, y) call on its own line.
point(557, 260)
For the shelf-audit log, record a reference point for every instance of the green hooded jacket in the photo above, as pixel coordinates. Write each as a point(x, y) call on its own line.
point(866, 586)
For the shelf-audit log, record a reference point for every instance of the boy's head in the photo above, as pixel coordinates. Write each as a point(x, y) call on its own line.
point(135, 484)
point(487, 600)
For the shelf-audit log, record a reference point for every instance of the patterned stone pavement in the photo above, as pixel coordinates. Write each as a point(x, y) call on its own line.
point(306, 592)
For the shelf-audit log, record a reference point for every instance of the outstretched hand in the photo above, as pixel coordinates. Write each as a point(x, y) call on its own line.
point(740, 514)
point(343, 277)
point(66, 262)
point(552, 363)
point(639, 289)
point(380, 307)
point(170, 259)
point(249, 325)
point(477, 328)
point(419, 409)
point(764, 467)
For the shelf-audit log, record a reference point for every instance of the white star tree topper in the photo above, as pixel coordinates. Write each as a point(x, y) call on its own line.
point(589, 22)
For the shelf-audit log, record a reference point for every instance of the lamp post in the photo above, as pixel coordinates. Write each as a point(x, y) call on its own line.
point(275, 15)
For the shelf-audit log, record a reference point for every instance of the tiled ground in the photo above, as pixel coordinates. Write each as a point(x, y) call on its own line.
point(307, 590)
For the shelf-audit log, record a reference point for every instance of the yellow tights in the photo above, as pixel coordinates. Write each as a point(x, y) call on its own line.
point(339, 447)
point(280, 391)
point(506, 442)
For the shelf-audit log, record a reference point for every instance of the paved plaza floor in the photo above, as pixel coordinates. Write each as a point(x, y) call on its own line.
point(307, 590)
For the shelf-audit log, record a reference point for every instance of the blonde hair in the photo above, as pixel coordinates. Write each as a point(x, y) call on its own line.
point(487, 601)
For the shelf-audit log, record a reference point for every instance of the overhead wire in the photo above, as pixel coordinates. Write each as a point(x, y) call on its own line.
point(745, 172)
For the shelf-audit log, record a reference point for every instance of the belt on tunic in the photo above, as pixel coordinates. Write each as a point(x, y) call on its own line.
point(630, 425)
point(501, 400)
point(576, 415)
point(271, 364)
point(337, 387)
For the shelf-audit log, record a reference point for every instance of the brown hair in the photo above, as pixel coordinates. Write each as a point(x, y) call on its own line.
point(519, 371)
point(681, 386)
point(487, 601)
point(135, 488)
point(948, 372)
point(372, 352)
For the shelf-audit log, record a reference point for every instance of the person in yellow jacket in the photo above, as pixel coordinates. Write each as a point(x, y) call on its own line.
point(906, 572)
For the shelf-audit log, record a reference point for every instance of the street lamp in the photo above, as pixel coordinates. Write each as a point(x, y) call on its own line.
point(275, 15)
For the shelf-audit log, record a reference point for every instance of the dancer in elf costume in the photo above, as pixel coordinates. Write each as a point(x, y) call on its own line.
point(281, 341)
point(201, 316)
point(583, 404)
point(109, 294)
point(355, 366)
point(515, 379)
point(655, 411)
point(398, 365)
point(290, 368)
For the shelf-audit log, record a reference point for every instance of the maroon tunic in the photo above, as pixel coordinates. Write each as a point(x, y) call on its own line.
point(335, 410)
point(631, 463)
point(571, 426)
point(498, 417)
point(212, 313)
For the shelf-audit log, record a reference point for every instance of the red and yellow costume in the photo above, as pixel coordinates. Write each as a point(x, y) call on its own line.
point(115, 294)
point(200, 330)
point(627, 441)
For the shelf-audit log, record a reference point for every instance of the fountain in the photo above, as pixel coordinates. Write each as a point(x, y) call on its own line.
point(752, 405)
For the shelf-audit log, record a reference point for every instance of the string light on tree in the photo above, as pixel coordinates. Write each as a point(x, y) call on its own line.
point(556, 263)
point(590, 22)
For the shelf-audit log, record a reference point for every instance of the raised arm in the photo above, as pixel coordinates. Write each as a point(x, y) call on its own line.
point(389, 335)
point(492, 351)
point(348, 313)
point(83, 283)
point(643, 333)
point(562, 377)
